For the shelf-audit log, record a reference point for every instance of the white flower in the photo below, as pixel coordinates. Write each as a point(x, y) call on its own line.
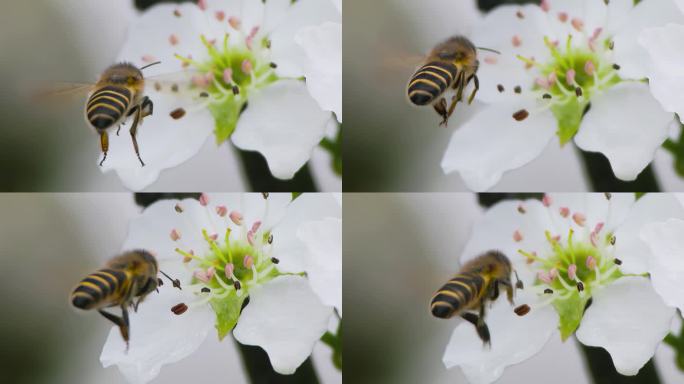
point(224, 249)
point(228, 56)
point(666, 268)
point(568, 249)
point(556, 60)
point(664, 45)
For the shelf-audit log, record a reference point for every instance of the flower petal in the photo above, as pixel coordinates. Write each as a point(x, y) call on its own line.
point(627, 125)
point(286, 319)
point(152, 229)
point(629, 248)
point(284, 123)
point(629, 320)
point(323, 240)
point(595, 207)
point(514, 339)
point(287, 246)
point(323, 69)
point(666, 267)
point(492, 142)
point(664, 45)
point(157, 336)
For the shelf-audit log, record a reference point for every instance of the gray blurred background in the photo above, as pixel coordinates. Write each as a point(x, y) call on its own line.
point(398, 249)
point(48, 242)
point(43, 149)
point(391, 146)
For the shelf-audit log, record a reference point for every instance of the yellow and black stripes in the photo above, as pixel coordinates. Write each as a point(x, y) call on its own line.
point(97, 289)
point(457, 295)
point(106, 106)
point(430, 81)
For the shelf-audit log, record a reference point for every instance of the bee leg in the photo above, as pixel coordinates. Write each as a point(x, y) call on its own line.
point(126, 327)
point(480, 326)
point(458, 86)
point(441, 108)
point(121, 322)
point(509, 289)
point(495, 291)
point(104, 145)
point(476, 82)
point(134, 131)
point(147, 107)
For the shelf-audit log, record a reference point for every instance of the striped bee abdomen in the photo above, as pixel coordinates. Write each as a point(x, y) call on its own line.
point(106, 106)
point(456, 295)
point(96, 289)
point(430, 81)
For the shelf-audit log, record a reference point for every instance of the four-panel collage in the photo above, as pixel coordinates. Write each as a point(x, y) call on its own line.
point(175, 209)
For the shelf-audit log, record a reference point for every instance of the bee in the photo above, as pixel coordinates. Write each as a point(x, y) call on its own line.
point(452, 64)
point(117, 95)
point(476, 284)
point(125, 281)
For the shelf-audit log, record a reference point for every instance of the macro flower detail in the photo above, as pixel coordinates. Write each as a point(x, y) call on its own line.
point(223, 251)
point(577, 277)
point(234, 68)
point(558, 74)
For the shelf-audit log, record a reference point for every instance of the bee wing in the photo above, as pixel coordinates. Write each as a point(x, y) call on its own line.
point(58, 91)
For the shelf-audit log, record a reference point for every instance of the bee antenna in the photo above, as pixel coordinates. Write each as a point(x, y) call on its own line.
point(176, 283)
point(150, 64)
point(489, 50)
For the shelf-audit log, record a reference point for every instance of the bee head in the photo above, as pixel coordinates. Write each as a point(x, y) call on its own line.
point(123, 74)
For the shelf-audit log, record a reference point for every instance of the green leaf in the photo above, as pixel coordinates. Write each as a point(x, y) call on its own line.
point(227, 312)
point(334, 341)
point(226, 115)
point(570, 313)
point(569, 117)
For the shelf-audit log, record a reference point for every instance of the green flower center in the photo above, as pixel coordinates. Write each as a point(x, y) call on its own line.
point(572, 76)
point(229, 75)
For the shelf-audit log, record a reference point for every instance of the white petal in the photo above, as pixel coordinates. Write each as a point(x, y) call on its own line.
point(629, 248)
point(285, 52)
point(629, 320)
point(666, 267)
point(323, 240)
point(627, 125)
point(287, 247)
point(286, 319)
point(633, 60)
point(284, 123)
point(157, 336)
point(338, 4)
point(492, 142)
point(152, 229)
point(514, 339)
point(664, 45)
point(595, 207)
point(323, 69)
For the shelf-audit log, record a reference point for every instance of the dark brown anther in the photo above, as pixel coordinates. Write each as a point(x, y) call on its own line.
point(517, 89)
point(176, 12)
point(580, 286)
point(273, 65)
point(204, 94)
point(611, 45)
point(579, 92)
point(521, 115)
point(500, 88)
point(616, 67)
point(608, 195)
point(236, 90)
point(617, 261)
point(179, 309)
point(613, 239)
point(270, 238)
point(546, 96)
point(265, 195)
point(206, 290)
point(174, 88)
point(548, 291)
point(274, 260)
point(522, 310)
point(157, 87)
point(237, 285)
point(177, 113)
point(178, 208)
point(521, 209)
point(520, 15)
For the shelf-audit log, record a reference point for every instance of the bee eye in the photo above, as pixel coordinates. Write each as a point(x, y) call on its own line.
point(131, 80)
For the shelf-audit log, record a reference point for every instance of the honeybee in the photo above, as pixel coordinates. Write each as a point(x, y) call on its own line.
point(125, 281)
point(476, 284)
point(117, 95)
point(452, 64)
